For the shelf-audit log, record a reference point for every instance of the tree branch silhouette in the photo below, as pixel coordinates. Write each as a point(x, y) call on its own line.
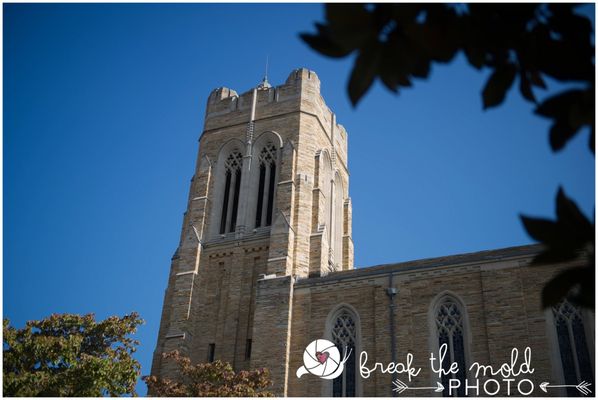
point(398, 43)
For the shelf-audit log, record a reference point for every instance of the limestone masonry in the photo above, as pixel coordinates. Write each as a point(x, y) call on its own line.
point(265, 266)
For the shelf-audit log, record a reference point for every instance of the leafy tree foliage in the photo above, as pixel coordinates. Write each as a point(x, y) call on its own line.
point(216, 379)
point(71, 355)
point(526, 42)
point(566, 238)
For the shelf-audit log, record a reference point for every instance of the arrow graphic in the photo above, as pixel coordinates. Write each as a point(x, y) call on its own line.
point(583, 387)
point(400, 387)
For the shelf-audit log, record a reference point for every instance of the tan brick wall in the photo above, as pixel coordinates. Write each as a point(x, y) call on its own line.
point(272, 330)
point(217, 292)
point(211, 294)
point(502, 301)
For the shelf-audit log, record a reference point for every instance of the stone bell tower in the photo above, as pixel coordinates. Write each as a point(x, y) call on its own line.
point(268, 204)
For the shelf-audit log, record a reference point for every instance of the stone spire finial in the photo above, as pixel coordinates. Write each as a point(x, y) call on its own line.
point(265, 84)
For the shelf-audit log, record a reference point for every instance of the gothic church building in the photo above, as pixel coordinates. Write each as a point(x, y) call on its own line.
point(265, 266)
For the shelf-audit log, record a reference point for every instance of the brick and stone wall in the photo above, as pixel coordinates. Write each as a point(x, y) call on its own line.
point(212, 294)
point(500, 290)
point(276, 287)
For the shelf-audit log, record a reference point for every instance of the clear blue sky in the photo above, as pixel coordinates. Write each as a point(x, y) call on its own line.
point(103, 107)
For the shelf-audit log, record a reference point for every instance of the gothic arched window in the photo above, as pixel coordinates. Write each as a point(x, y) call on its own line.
point(265, 193)
point(344, 335)
point(450, 331)
point(573, 346)
point(232, 186)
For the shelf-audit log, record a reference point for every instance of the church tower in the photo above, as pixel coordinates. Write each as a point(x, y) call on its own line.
point(268, 205)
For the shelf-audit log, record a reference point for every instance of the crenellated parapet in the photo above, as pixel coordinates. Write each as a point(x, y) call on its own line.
point(300, 92)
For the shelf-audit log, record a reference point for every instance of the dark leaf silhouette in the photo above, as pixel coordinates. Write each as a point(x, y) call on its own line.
point(364, 72)
point(570, 110)
point(566, 284)
point(499, 82)
point(570, 237)
point(525, 87)
point(536, 79)
point(400, 42)
point(324, 45)
point(528, 40)
point(573, 219)
point(390, 63)
point(542, 230)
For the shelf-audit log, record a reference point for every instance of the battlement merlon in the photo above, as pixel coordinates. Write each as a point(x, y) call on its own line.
point(300, 92)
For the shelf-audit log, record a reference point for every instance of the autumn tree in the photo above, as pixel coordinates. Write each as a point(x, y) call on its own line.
point(71, 355)
point(215, 379)
point(398, 43)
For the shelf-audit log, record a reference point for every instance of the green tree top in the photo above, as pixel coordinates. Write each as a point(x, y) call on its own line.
point(216, 379)
point(71, 355)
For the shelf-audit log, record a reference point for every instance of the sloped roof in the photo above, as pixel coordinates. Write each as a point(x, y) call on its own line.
point(483, 257)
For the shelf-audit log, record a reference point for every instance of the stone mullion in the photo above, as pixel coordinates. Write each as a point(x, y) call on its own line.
point(245, 192)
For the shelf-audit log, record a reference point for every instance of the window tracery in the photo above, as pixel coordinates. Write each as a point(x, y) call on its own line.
point(230, 204)
point(573, 345)
point(344, 335)
point(267, 179)
point(450, 331)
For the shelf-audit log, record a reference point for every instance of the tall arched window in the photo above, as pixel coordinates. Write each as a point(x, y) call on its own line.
point(573, 346)
point(265, 193)
point(232, 186)
point(450, 332)
point(344, 335)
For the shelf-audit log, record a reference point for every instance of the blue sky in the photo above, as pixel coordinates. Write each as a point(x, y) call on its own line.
point(103, 107)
